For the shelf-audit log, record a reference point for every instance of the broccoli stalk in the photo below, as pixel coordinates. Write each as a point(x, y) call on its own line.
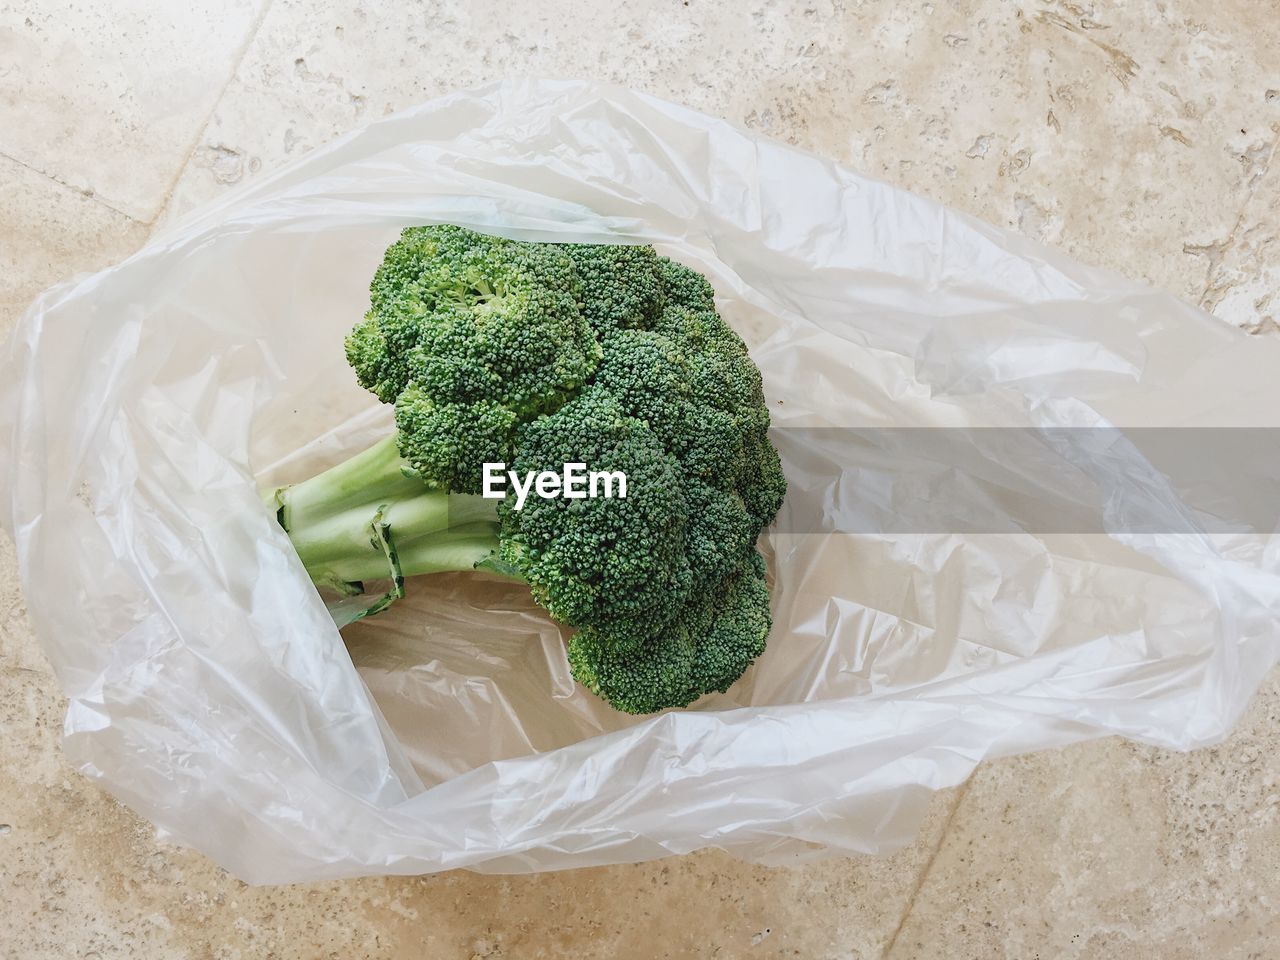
point(371, 517)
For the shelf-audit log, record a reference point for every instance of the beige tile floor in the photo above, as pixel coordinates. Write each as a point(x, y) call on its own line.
point(1140, 135)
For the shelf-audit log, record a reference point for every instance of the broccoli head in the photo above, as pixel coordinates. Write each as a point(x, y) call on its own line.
point(538, 355)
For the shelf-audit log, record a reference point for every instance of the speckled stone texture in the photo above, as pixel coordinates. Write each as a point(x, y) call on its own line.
point(1138, 134)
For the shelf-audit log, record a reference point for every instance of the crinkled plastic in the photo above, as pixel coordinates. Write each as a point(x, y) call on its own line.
point(142, 407)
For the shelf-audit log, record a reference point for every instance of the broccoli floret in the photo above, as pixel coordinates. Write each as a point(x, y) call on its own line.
point(538, 355)
point(618, 563)
point(470, 336)
point(622, 286)
point(707, 648)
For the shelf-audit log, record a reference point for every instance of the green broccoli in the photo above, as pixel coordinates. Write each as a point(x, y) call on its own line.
point(537, 355)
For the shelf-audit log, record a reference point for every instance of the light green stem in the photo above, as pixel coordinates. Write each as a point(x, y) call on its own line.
point(371, 517)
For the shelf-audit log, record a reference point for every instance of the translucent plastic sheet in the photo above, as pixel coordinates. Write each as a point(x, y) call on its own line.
point(141, 408)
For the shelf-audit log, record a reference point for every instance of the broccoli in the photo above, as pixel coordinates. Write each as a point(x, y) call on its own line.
point(538, 355)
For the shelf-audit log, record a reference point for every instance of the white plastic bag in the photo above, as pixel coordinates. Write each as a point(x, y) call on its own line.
point(141, 408)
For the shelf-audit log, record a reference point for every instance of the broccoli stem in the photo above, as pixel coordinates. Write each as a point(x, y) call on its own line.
point(371, 517)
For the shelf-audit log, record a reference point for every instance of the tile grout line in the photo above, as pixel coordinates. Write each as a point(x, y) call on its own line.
point(961, 792)
point(167, 196)
point(236, 61)
point(80, 191)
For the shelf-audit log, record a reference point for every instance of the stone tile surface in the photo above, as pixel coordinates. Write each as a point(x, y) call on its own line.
point(1131, 135)
point(108, 97)
point(49, 232)
point(1113, 851)
point(1242, 271)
